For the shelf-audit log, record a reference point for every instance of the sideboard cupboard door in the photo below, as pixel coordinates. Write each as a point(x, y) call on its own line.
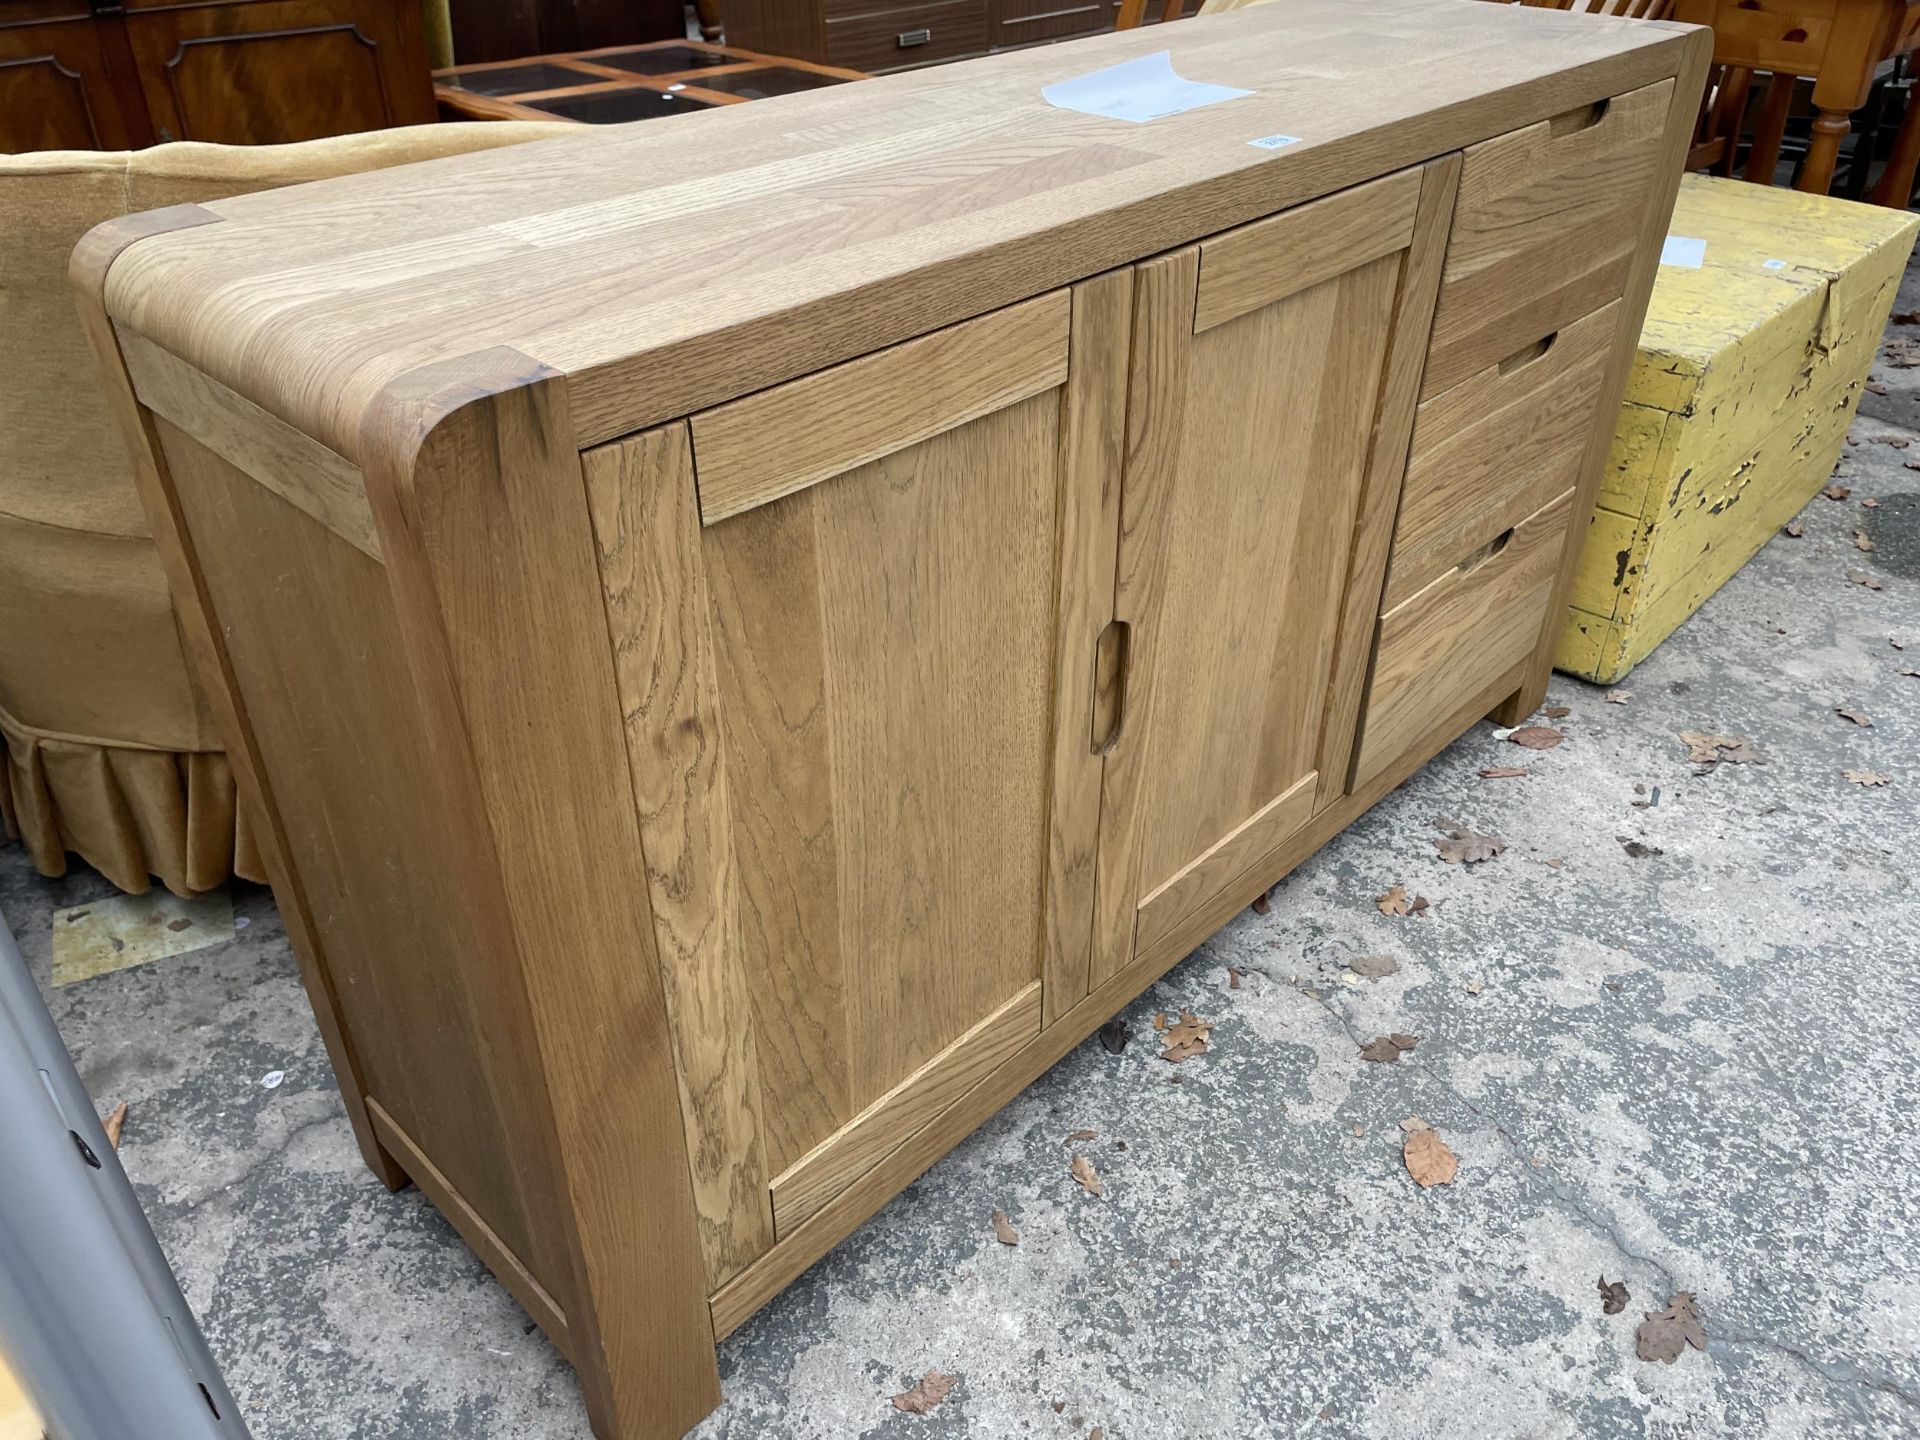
point(855, 620)
point(1275, 370)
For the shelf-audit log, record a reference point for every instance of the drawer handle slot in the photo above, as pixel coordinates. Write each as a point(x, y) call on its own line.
point(1485, 553)
point(1110, 654)
point(1581, 117)
point(1527, 354)
point(910, 38)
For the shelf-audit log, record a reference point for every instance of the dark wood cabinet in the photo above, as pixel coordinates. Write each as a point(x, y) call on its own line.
point(242, 72)
point(899, 34)
point(486, 30)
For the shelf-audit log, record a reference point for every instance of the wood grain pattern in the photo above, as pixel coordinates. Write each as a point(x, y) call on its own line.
point(1157, 380)
point(782, 1265)
point(1546, 228)
point(1256, 265)
point(1094, 416)
point(491, 599)
point(885, 649)
point(810, 1182)
point(1382, 488)
point(664, 269)
point(1448, 640)
point(647, 526)
point(782, 440)
point(1494, 449)
point(1673, 144)
point(298, 469)
point(1192, 887)
point(88, 269)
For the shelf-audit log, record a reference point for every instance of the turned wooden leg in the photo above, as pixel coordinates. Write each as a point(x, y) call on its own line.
point(1895, 186)
point(709, 13)
point(1728, 108)
point(1829, 128)
point(1764, 158)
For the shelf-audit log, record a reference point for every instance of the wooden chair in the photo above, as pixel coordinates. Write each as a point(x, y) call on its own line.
point(107, 748)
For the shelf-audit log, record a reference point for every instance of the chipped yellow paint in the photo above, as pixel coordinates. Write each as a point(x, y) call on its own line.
point(127, 930)
point(1738, 402)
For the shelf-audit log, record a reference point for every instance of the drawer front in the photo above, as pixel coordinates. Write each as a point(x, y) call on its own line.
point(1544, 230)
point(911, 35)
point(1442, 646)
point(1495, 448)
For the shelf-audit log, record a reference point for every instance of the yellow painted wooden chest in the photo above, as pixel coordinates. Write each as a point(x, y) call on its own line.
point(1748, 373)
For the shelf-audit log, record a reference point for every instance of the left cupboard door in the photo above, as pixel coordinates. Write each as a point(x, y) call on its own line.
point(854, 620)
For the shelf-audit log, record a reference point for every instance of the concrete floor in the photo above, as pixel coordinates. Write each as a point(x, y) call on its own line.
point(1694, 1069)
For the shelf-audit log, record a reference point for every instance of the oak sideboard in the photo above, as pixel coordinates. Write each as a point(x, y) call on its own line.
point(752, 634)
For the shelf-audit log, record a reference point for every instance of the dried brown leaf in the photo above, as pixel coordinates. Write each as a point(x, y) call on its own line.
point(1428, 1160)
point(1557, 712)
point(1867, 777)
point(1858, 717)
point(1504, 772)
point(115, 1122)
point(1261, 905)
point(1837, 491)
point(931, 1390)
point(1387, 1049)
point(1234, 976)
point(1413, 1123)
point(1397, 902)
point(1862, 541)
point(1089, 1178)
point(1114, 1036)
point(1618, 697)
point(1373, 966)
point(1003, 1230)
point(1706, 748)
point(1537, 737)
point(1187, 1039)
point(1080, 1137)
point(1793, 529)
point(1865, 578)
point(1160, 1020)
point(1665, 1336)
point(1466, 847)
point(1613, 1295)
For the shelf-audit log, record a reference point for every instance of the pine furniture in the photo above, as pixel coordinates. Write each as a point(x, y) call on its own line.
point(758, 632)
point(1747, 373)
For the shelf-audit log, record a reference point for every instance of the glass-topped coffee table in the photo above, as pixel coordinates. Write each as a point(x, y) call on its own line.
point(625, 82)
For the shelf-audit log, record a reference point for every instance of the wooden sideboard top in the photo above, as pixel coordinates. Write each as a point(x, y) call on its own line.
point(667, 266)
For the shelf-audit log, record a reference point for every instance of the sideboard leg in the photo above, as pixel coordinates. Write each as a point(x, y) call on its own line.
point(475, 481)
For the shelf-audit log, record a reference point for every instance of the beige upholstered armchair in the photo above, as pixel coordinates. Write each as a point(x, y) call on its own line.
point(109, 751)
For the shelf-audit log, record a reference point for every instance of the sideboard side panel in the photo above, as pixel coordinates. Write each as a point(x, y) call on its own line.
point(427, 997)
point(475, 478)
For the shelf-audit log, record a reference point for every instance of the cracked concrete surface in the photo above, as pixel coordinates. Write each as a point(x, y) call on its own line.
point(1692, 1068)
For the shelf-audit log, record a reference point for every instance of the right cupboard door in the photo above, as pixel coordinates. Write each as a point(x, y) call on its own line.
point(1274, 374)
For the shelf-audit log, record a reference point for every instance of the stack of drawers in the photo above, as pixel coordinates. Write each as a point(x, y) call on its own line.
point(1544, 233)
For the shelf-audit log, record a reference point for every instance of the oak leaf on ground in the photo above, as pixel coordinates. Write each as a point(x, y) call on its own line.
point(1463, 846)
point(1186, 1039)
point(1613, 1295)
point(929, 1392)
point(1387, 1049)
point(1665, 1336)
point(1868, 777)
point(1706, 748)
point(1537, 737)
point(1397, 902)
point(1428, 1160)
point(1003, 1230)
point(1089, 1178)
